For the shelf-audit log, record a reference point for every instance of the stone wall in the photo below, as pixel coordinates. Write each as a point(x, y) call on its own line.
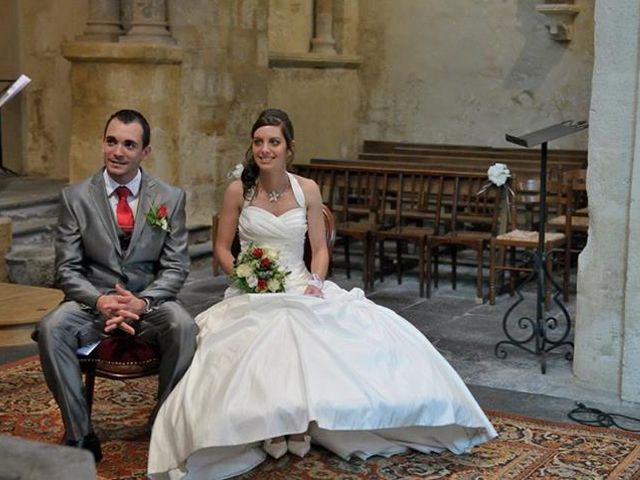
point(224, 86)
point(443, 71)
point(455, 71)
point(41, 145)
point(320, 92)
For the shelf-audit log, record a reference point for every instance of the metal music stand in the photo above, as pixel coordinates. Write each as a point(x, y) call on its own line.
point(540, 325)
point(4, 170)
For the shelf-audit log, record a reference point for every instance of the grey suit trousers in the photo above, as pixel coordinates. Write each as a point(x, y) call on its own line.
point(168, 326)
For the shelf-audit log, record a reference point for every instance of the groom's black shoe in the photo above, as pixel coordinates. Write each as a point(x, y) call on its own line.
point(89, 442)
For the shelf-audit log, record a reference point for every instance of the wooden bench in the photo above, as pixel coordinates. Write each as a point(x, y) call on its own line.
point(376, 203)
point(524, 162)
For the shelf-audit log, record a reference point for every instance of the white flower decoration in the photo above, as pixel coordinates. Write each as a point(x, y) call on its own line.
point(498, 174)
point(236, 172)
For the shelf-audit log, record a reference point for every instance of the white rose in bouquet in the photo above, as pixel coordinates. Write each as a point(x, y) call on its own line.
point(252, 280)
point(271, 253)
point(273, 285)
point(243, 270)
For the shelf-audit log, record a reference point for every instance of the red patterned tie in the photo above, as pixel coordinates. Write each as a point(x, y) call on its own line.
point(124, 213)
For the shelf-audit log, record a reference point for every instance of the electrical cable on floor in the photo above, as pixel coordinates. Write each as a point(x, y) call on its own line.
point(592, 416)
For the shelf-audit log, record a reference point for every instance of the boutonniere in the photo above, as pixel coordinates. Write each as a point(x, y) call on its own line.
point(157, 217)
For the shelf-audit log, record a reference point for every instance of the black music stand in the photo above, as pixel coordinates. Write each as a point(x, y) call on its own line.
point(11, 81)
point(540, 325)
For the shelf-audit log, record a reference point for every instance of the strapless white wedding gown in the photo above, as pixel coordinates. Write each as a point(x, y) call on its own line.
point(367, 381)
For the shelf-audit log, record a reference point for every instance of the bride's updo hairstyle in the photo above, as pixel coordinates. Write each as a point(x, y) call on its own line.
point(272, 117)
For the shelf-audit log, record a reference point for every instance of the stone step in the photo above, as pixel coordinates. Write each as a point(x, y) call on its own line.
point(43, 206)
point(199, 234)
point(34, 263)
point(42, 231)
point(200, 255)
point(34, 231)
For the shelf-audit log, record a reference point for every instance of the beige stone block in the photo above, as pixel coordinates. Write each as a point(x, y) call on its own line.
point(107, 77)
point(5, 245)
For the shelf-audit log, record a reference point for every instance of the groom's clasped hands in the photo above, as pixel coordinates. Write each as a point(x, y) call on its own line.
point(120, 309)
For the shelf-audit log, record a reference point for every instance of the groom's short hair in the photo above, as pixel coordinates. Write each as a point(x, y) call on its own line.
point(131, 116)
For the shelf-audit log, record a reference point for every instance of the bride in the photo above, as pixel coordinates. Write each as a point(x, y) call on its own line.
point(275, 371)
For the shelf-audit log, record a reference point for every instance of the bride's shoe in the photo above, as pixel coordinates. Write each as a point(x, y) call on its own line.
point(277, 449)
point(299, 447)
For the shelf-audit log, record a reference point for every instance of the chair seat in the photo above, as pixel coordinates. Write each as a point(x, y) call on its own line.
point(577, 222)
point(123, 355)
point(405, 232)
point(526, 237)
point(355, 227)
point(463, 234)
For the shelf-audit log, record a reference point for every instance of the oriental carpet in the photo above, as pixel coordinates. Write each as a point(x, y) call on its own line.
point(525, 449)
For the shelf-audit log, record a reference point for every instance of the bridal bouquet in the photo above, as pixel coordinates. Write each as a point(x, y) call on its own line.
point(256, 270)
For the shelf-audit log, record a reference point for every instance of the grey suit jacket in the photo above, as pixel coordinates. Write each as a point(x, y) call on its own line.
point(89, 258)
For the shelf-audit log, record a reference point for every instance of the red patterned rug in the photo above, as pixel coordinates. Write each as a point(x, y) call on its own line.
point(525, 449)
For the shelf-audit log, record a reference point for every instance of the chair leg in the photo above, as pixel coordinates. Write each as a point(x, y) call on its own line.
point(381, 258)
point(399, 260)
point(427, 266)
point(89, 384)
point(454, 267)
point(513, 274)
point(433, 249)
point(492, 272)
point(479, 279)
point(421, 265)
point(371, 245)
point(347, 261)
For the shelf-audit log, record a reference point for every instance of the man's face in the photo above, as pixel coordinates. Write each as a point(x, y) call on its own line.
point(122, 149)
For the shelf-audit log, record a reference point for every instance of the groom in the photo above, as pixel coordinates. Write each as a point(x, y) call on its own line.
point(121, 258)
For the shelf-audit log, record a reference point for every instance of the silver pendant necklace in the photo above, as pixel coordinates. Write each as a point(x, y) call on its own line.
point(274, 195)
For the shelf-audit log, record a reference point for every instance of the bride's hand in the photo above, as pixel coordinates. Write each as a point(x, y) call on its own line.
point(313, 291)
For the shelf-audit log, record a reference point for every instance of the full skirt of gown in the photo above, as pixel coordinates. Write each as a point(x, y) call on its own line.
point(362, 379)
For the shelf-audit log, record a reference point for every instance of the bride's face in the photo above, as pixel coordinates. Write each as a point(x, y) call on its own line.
point(270, 148)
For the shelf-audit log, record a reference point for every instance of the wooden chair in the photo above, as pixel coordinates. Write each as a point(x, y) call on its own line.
point(473, 221)
point(527, 191)
point(360, 195)
point(575, 219)
point(411, 215)
point(118, 357)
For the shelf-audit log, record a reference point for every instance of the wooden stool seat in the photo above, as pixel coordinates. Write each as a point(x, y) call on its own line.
point(122, 357)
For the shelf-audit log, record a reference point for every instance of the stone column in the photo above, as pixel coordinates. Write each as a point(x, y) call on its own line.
point(607, 334)
point(104, 24)
point(106, 77)
point(148, 22)
point(323, 41)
